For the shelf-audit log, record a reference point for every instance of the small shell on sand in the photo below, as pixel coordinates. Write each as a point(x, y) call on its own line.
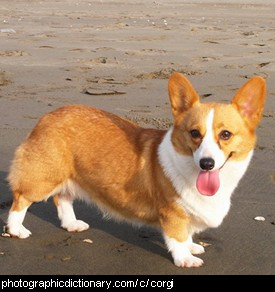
point(204, 244)
point(87, 240)
point(259, 218)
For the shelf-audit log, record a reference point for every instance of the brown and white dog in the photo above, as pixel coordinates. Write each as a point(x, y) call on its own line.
point(179, 180)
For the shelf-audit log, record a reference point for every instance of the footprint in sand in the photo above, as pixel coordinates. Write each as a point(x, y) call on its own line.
point(15, 53)
point(44, 35)
point(82, 51)
point(123, 247)
point(105, 49)
point(233, 66)
point(4, 80)
point(158, 123)
point(45, 47)
point(146, 52)
point(166, 72)
point(100, 61)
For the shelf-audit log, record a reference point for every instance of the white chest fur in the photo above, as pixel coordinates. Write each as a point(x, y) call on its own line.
point(205, 211)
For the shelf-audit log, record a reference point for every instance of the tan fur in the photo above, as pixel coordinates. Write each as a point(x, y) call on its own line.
point(115, 161)
point(120, 173)
point(241, 117)
point(179, 87)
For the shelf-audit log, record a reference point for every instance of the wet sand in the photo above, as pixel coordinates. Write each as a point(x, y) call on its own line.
point(118, 55)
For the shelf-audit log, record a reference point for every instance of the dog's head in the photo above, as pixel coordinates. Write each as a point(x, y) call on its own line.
point(214, 133)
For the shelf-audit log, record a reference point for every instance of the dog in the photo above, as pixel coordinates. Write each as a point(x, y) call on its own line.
point(179, 180)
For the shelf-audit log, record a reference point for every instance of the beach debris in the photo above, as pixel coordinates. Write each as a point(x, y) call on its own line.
point(262, 64)
point(211, 42)
point(206, 95)
point(102, 92)
point(273, 177)
point(46, 47)
point(204, 244)
point(88, 240)
point(259, 218)
point(2, 253)
point(65, 258)
point(7, 30)
point(259, 45)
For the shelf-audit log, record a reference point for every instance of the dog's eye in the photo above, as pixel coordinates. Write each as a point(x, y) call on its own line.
point(195, 134)
point(225, 135)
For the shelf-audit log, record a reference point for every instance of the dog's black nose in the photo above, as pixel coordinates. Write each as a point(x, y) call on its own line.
point(207, 163)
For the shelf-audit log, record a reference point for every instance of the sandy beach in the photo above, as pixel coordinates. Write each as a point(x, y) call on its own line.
point(118, 56)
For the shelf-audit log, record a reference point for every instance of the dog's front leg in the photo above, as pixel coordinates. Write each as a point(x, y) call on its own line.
point(181, 253)
point(175, 223)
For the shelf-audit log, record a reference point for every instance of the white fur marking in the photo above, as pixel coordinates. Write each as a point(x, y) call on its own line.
point(181, 253)
point(15, 226)
point(67, 216)
point(194, 247)
point(72, 189)
point(208, 147)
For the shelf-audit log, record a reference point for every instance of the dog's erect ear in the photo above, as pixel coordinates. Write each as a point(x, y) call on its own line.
point(182, 94)
point(250, 100)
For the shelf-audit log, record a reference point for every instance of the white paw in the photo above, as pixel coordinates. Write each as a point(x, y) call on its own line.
point(189, 262)
point(19, 231)
point(196, 248)
point(76, 226)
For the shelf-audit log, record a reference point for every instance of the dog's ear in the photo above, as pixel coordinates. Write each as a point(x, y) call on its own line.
point(250, 100)
point(182, 94)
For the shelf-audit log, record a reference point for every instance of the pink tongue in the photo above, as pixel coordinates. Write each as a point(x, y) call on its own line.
point(208, 182)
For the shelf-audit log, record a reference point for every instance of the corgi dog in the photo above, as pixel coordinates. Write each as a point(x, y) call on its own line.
point(179, 180)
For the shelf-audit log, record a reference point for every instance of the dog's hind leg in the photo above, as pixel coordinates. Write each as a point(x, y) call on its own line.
point(16, 216)
point(65, 211)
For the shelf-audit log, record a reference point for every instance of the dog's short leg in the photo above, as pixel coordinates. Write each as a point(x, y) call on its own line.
point(181, 253)
point(175, 227)
point(66, 214)
point(194, 247)
point(16, 217)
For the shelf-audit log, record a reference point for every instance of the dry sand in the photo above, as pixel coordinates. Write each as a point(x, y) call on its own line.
point(62, 52)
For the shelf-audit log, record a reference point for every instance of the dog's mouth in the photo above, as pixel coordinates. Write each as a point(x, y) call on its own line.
point(208, 182)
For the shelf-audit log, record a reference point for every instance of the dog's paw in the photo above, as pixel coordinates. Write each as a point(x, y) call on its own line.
point(76, 226)
point(189, 262)
point(18, 231)
point(196, 248)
